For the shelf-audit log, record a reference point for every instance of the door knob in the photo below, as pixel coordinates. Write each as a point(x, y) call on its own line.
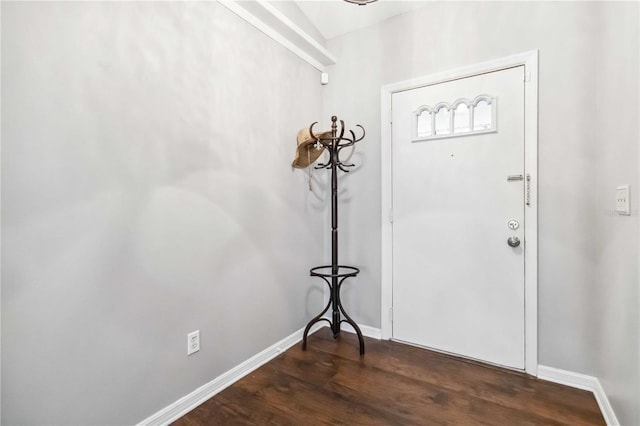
point(513, 241)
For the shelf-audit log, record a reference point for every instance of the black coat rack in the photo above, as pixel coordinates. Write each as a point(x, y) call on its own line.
point(335, 274)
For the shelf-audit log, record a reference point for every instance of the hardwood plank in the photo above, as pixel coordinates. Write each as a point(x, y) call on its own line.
point(314, 402)
point(393, 384)
point(501, 386)
point(416, 401)
point(235, 406)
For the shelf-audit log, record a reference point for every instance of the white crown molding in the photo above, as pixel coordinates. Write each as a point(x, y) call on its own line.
point(188, 402)
point(268, 19)
point(584, 382)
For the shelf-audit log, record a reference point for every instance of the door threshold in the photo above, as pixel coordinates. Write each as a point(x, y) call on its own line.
point(464, 358)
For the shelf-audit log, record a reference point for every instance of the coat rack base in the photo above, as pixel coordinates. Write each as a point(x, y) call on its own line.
point(334, 276)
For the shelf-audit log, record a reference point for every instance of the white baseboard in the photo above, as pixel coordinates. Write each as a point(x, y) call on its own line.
point(203, 393)
point(368, 331)
point(584, 382)
point(187, 403)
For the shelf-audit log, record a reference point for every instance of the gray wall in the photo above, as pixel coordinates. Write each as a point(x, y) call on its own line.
point(586, 149)
point(146, 193)
point(616, 303)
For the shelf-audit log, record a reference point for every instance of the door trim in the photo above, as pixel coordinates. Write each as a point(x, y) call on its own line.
point(530, 61)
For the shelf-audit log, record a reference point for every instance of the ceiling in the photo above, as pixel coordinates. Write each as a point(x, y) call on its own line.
point(336, 17)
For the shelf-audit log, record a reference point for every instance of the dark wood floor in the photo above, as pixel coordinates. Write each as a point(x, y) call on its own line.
point(393, 384)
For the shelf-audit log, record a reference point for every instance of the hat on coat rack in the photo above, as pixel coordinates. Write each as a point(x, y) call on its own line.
point(307, 152)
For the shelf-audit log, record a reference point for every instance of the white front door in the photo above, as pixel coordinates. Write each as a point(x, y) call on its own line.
point(458, 196)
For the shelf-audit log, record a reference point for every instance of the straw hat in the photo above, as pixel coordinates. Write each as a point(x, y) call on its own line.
point(306, 152)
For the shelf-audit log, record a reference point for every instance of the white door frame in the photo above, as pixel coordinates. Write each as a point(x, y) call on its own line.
point(530, 62)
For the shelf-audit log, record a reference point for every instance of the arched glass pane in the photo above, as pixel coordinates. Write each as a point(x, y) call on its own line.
point(461, 119)
point(424, 124)
point(482, 116)
point(442, 121)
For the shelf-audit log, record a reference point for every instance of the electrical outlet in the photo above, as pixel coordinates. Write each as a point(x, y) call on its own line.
point(193, 342)
point(622, 200)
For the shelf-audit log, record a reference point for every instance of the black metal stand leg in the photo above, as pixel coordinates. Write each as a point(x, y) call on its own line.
point(335, 314)
point(318, 318)
point(337, 309)
point(351, 322)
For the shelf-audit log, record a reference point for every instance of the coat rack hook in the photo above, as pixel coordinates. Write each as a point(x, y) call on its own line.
point(311, 130)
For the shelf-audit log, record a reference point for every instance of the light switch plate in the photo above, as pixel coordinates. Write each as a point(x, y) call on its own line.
point(622, 200)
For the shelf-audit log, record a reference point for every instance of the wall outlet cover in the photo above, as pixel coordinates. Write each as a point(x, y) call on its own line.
point(193, 342)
